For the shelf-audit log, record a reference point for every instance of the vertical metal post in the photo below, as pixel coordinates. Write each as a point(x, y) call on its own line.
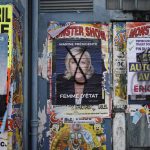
point(25, 123)
point(34, 119)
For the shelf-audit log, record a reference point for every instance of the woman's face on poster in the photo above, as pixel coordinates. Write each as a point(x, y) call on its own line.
point(84, 65)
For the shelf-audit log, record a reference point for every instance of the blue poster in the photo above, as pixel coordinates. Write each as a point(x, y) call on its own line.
point(78, 68)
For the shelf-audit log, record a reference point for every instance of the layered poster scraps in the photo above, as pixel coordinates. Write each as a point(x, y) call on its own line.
point(119, 64)
point(138, 56)
point(79, 63)
point(10, 23)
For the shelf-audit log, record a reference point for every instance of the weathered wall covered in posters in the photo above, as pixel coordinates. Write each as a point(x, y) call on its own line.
point(12, 121)
point(86, 116)
point(122, 124)
point(99, 14)
point(124, 32)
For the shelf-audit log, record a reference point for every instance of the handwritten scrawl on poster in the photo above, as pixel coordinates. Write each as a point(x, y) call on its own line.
point(138, 56)
point(119, 64)
point(79, 80)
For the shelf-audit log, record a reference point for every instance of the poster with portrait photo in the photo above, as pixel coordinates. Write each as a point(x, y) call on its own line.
point(78, 68)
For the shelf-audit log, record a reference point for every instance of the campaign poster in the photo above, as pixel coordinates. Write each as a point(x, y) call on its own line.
point(86, 134)
point(119, 65)
point(138, 61)
point(78, 66)
point(77, 89)
point(3, 72)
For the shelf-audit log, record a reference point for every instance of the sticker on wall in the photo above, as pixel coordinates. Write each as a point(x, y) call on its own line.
point(79, 81)
point(138, 52)
point(119, 65)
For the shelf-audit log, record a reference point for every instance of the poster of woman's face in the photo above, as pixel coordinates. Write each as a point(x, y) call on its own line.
point(78, 68)
point(84, 64)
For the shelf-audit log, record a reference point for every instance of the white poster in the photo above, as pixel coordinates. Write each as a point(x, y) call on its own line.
point(138, 58)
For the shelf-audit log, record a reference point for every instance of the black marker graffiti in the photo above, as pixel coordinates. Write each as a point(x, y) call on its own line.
point(78, 66)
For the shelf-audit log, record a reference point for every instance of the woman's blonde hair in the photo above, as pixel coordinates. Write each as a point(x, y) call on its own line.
point(75, 51)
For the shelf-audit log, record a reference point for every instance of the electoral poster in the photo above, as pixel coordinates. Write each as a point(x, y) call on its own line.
point(79, 68)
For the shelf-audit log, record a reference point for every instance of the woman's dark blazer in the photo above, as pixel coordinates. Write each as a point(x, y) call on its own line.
point(92, 86)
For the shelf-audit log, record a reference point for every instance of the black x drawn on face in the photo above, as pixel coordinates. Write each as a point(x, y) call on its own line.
point(78, 66)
